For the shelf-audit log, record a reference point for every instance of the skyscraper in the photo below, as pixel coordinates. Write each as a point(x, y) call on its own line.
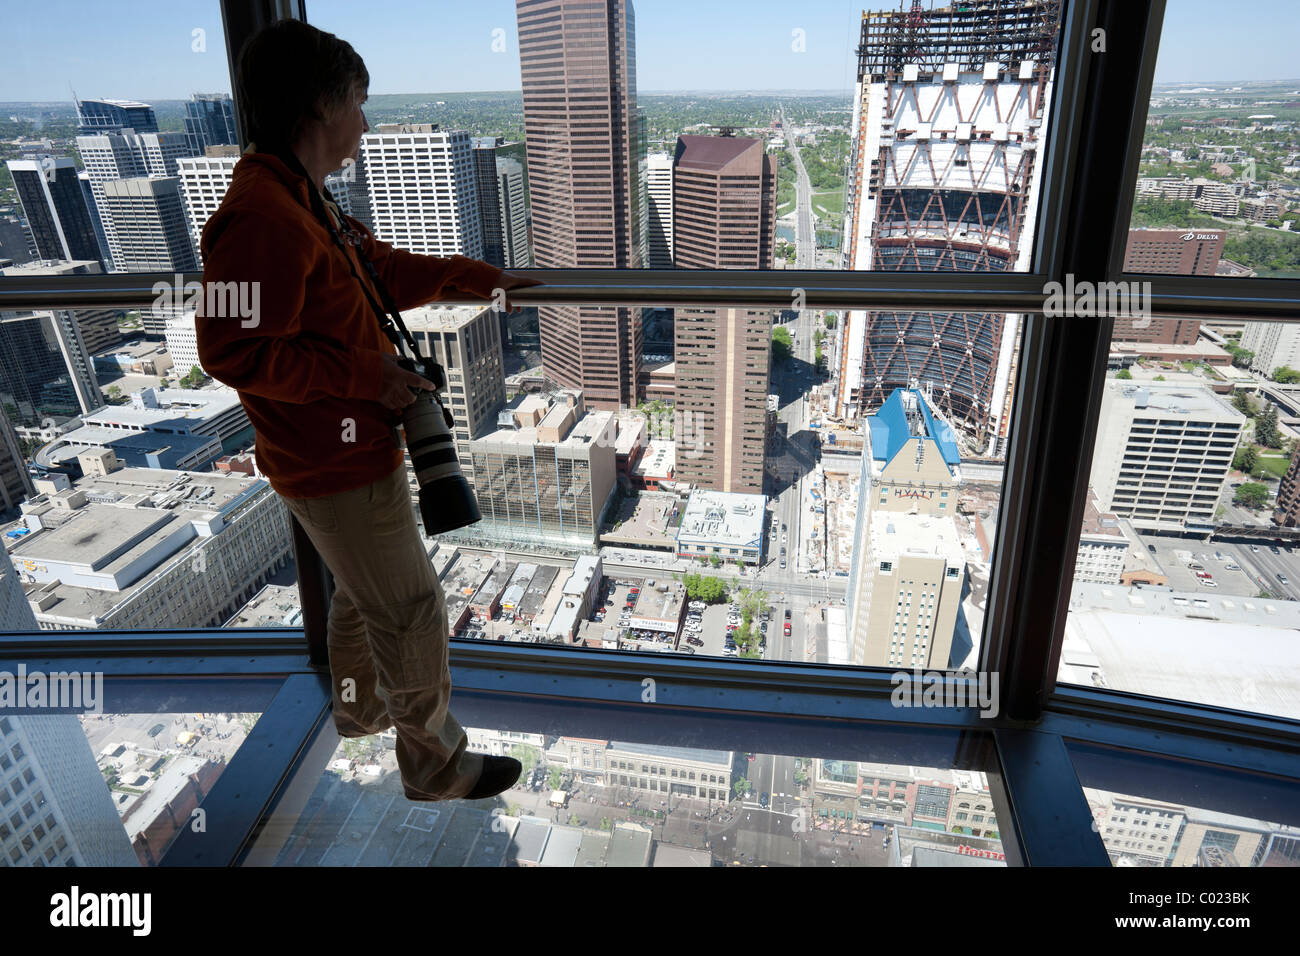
point(659, 190)
point(422, 189)
point(587, 181)
point(57, 811)
point(15, 483)
point(516, 251)
point(45, 371)
point(127, 155)
point(50, 193)
point(724, 215)
point(204, 181)
point(501, 204)
point(210, 121)
point(904, 536)
point(1188, 252)
point(147, 216)
point(113, 116)
point(489, 202)
point(101, 237)
point(948, 120)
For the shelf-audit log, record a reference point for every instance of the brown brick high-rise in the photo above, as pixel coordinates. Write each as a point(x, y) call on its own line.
point(587, 179)
point(1188, 252)
point(724, 215)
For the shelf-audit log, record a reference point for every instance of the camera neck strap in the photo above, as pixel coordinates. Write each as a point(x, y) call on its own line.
point(390, 318)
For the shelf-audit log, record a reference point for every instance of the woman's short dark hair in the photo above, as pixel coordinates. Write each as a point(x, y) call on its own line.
point(290, 72)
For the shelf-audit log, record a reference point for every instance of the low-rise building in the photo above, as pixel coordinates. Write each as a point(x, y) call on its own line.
point(659, 770)
point(147, 548)
point(1102, 546)
point(657, 465)
point(580, 592)
point(724, 524)
point(546, 476)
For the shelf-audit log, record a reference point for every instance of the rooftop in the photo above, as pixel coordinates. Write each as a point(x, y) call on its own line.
point(442, 318)
point(713, 153)
point(276, 605)
point(718, 758)
point(1218, 650)
point(659, 460)
point(1170, 401)
point(723, 517)
point(899, 534)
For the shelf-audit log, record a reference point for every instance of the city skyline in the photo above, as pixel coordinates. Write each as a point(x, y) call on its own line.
point(49, 62)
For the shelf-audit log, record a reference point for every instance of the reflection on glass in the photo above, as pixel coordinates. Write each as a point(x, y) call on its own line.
point(107, 789)
point(1142, 832)
point(585, 802)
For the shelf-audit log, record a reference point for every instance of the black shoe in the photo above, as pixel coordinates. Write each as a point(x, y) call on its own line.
point(499, 773)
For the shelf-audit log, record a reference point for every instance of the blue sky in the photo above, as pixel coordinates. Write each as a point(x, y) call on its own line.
point(145, 49)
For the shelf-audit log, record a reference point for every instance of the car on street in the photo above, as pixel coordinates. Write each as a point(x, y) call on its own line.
point(1254, 549)
point(1207, 583)
point(155, 730)
point(763, 800)
point(1274, 549)
point(1281, 578)
point(1231, 566)
point(787, 628)
point(1151, 548)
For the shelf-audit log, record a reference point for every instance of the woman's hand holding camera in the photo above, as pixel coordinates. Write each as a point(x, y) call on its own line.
point(395, 392)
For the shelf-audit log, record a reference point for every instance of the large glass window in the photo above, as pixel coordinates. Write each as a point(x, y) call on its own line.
point(746, 809)
point(1185, 583)
point(108, 789)
point(1218, 180)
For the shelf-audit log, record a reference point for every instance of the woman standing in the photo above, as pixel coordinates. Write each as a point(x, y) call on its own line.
point(321, 385)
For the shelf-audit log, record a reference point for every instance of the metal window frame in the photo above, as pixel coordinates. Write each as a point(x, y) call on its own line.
point(1034, 778)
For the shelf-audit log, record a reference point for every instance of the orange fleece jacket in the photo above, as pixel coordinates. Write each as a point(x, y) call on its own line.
point(307, 365)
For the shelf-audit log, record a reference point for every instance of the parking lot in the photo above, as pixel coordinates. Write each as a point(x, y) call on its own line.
point(1240, 570)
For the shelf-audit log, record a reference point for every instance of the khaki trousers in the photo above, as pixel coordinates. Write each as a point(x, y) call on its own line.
point(388, 635)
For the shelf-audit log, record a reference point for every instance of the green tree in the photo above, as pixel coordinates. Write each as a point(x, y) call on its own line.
point(1246, 459)
point(700, 587)
point(1124, 374)
point(1242, 403)
point(1286, 376)
point(715, 561)
point(1241, 358)
point(1251, 494)
point(1266, 430)
point(1159, 378)
point(830, 320)
point(782, 344)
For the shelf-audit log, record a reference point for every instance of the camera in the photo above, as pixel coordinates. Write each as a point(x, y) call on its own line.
point(446, 500)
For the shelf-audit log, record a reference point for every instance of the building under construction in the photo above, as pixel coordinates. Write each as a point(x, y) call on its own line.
point(949, 118)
